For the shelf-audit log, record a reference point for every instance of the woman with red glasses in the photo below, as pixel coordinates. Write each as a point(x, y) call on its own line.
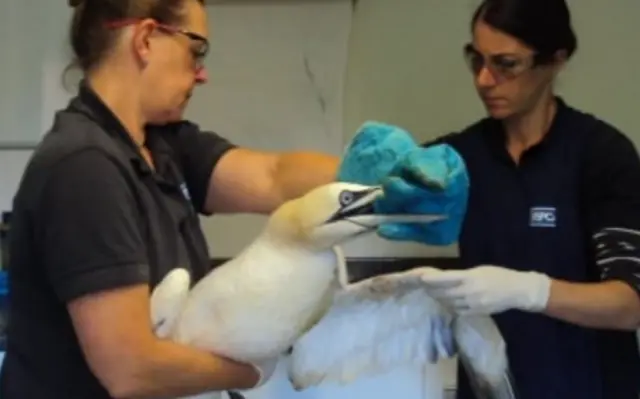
point(109, 204)
point(551, 239)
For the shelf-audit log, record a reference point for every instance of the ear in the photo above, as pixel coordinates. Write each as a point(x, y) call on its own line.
point(141, 40)
point(561, 56)
point(559, 60)
point(552, 69)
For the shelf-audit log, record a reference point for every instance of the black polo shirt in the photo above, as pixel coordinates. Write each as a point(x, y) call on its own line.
point(91, 215)
point(571, 209)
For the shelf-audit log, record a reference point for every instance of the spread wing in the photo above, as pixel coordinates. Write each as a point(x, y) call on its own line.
point(389, 321)
point(374, 325)
point(483, 353)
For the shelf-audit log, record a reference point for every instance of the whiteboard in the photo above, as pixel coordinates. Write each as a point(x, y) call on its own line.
point(406, 65)
point(20, 86)
point(275, 72)
point(33, 42)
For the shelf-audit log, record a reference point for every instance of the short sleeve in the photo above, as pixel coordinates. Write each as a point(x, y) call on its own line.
point(89, 227)
point(612, 203)
point(197, 154)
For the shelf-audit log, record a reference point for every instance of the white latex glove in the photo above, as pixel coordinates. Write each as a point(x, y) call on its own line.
point(265, 369)
point(488, 289)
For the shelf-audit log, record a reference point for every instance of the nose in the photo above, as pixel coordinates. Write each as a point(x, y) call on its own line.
point(202, 76)
point(485, 78)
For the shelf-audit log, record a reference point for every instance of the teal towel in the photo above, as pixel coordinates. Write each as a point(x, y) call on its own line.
point(415, 180)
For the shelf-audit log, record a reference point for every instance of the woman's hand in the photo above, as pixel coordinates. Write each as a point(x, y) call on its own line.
point(488, 289)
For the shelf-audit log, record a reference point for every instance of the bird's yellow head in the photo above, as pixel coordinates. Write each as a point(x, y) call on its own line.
point(332, 214)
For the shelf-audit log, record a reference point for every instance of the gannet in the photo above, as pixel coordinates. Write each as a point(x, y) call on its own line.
point(287, 294)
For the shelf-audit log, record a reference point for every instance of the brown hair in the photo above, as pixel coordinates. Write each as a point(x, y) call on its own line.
point(90, 36)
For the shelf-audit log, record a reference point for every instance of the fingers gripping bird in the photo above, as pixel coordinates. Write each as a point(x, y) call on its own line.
point(287, 293)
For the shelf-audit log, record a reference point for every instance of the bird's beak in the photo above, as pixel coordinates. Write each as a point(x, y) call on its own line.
point(362, 213)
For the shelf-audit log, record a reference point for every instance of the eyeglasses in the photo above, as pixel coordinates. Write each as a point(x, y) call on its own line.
point(199, 47)
point(502, 67)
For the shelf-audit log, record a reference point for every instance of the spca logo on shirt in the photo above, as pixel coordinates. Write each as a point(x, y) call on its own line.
point(542, 216)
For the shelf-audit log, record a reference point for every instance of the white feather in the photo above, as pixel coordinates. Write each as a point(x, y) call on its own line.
point(167, 301)
point(256, 305)
point(374, 326)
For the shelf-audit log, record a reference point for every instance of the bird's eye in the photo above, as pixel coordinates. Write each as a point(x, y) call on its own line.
point(346, 197)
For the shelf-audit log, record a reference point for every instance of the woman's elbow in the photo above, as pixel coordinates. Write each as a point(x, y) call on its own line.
point(627, 317)
point(632, 322)
point(123, 378)
point(631, 313)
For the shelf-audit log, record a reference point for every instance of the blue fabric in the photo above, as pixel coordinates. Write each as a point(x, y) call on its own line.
point(415, 180)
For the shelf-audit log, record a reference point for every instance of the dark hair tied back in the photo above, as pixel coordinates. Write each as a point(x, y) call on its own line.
point(90, 36)
point(544, 25)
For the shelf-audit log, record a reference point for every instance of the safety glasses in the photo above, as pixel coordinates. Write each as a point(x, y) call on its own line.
point(199, 44)
point(503, 67)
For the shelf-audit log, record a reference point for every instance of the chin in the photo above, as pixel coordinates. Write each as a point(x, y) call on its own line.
point(168, 117)
point(499, 112)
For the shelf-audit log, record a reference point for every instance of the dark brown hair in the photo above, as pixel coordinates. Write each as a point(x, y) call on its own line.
point(91, 38)
point(544, 25)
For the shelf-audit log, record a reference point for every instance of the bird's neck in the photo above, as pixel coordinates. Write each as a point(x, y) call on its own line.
point(279, 243)
point(287, 247)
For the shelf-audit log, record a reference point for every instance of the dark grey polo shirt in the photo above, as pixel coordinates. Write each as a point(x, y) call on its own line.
point(90, 215)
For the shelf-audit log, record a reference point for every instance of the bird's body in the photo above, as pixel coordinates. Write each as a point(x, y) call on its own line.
point(287, 295)
point(284, 291)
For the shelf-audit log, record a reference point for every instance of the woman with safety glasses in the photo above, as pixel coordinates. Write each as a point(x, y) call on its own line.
point(551, 240)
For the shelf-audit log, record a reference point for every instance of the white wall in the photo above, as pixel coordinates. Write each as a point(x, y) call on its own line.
point(280, 70)
point(30, 90)
point(276, 83)
point(406, 65)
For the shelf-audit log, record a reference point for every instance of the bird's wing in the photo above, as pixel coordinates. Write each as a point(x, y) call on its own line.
point(482, 352)
point(390, 321)
point(374, 325)
point(167, 301)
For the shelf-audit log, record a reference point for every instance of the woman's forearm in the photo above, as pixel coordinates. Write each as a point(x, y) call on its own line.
point(166, 369)
point(607, 305)
point(298, 172)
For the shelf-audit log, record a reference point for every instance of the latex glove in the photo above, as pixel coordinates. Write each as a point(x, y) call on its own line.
point(265, 369)
point(488, 289)
point(416, 180)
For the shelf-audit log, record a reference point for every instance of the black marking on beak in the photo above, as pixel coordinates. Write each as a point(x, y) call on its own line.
point(349, 204)
point(235, 395)
point(159, 324)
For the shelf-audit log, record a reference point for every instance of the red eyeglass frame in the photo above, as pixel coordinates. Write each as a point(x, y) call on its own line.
point(199, 54)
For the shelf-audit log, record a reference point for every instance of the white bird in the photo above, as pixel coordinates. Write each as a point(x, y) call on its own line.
point(287, 292)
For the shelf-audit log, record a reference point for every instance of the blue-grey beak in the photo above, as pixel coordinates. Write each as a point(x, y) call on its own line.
point(361, 211)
